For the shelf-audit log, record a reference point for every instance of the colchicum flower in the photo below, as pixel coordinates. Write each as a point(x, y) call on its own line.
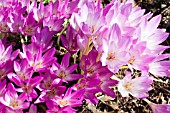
point(53, 107)
point(63, 71)
point(30, 26)
point(23, 71)
point(7, 53)
point(43, 38)
point(114, 48)
point(72, 99)
point(137, 87)
point(5, 69)
point(27, 88)
point(51, 86)
point(158, 108)
point(35, 57)
point(90, 85)
point(12, 100)
point(89, 19)
point(160, 68)
point(51, 21)
point(70, 41)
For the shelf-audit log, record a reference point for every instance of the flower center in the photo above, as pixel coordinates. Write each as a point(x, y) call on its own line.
point(63, 103)
point(62, 74)
point(90, 71)
point(48, 84)
point(132, 59)
point(28, 30)
point(128, 86)
point(92, 29)
point(22, 76)
point(26, 89)
point(81, 86)
point(111, 56)
point(51, 93)
point(14, 103)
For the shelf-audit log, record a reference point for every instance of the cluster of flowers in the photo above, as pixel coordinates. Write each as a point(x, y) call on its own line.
point(108, 39)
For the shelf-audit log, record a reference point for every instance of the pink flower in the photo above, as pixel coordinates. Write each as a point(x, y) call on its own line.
point(42, 11)
point(36, 58)
point(7, 53)
point(90, 84)
point(137, 87)
point(51, 86)
point(53, 23)
point(117, 12)
point(55, 90)
point(49, 80)
point(17, 21)
point(152, 35)
point(6, 68)
point(63, 71)
point(82, 42)
point(30, 25)
point(89, 64)
point(13, 101)
point(53, 107)
point(138, 59)
point(43, 38)
point(114, 48)
point(70, 41)
point(72, 99)
point(94, 71)
point(23, 70)
point(27, 88)
point(4, 20)
point(106, 82)
point(63, 9)
point(89, 19)
point(32, 109)
point(98, 42)
point(160, 68)
point(33, 48)
point(158, 108)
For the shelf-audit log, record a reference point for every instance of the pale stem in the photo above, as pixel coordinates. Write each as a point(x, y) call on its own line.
point(65, 27)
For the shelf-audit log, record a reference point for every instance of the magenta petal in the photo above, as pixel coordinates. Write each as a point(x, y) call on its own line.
point(16, 66)
point(14, 54)
point(72, 77)
point(36, 80)
point(65, 60)
point(33, 109)
point(72, 68)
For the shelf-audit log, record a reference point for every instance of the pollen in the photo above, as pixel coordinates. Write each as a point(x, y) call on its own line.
point(111, 56)
point(28, 30)
point(62, 74)
point(27, 89)
point(63, 103)
point(128, 86)
point(92, 29)
point(14, 103)
point(81, 86)
point(51, 93)
point(90, 71)
point(132, 59)
point(22, 75)
point(47, 84)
